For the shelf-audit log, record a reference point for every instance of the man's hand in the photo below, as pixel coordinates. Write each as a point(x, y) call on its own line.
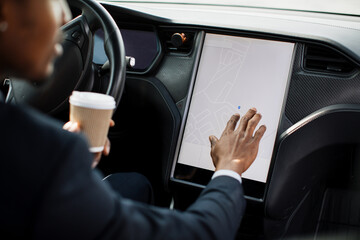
point(236, 149)
point(74, 127)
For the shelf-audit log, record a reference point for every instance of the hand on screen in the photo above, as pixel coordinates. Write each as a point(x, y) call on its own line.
point(237, 148)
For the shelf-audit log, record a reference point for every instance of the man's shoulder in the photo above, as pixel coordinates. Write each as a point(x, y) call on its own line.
point(33, 143)
point(35, 154)
point(23, 116)
point(31, 131)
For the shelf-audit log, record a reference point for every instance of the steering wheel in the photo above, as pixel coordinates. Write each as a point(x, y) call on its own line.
point(74, 69)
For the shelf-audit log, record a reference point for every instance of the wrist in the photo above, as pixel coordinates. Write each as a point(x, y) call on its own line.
point(228, 173)
point(236, 165)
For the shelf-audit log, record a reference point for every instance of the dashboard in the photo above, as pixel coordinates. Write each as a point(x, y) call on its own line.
point(196, 66)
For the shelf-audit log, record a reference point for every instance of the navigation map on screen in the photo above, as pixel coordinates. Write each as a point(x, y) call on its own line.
point(235, 74)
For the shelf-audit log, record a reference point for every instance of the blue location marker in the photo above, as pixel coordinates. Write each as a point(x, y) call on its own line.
point(239, 107)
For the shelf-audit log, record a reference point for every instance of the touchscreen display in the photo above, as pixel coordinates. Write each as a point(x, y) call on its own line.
point(235, 74)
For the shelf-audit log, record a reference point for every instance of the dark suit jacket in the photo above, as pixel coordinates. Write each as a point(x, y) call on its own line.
point(49, 191)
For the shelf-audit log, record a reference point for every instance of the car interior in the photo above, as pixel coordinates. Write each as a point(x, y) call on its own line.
point(179, 71)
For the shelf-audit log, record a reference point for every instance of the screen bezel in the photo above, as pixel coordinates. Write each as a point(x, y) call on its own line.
point(199, 177)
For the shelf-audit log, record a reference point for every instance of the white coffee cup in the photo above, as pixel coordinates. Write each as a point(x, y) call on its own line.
point(92, 111)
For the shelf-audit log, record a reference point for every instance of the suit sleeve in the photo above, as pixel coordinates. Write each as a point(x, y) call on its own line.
point(78, 205)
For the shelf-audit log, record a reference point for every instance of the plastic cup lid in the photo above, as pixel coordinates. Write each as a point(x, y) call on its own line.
point(92, 100)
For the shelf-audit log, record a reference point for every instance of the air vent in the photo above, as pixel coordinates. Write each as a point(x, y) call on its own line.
point(322, 59)
point(177, 41)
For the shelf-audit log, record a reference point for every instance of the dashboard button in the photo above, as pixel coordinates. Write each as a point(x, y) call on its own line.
point(178, 39)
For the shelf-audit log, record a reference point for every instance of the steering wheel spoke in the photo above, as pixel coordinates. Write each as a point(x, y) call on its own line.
point(78, 32)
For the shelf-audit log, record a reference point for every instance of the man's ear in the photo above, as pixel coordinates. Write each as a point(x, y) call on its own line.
point(3, 7)
point(3, 23)
point(6, 11)
point(1, 10)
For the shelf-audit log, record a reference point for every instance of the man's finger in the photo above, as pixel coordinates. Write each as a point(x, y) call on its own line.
point(71, 127)
point(231, 124)
point(213, 140)
point(259, 133)
point(97, 157)
point(253, 122)
point(67, 125)
point(74, 127)
point(112, 123)
point(245, 119)
point(106, 150)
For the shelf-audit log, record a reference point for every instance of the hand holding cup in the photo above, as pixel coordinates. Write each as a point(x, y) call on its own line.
point(92, 111)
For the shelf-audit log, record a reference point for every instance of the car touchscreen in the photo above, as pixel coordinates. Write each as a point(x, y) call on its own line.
point(235, 74)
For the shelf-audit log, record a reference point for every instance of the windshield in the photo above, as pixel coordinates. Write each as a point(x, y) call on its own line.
point(349, 7)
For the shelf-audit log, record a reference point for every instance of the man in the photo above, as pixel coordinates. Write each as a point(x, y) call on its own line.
point(49, 190)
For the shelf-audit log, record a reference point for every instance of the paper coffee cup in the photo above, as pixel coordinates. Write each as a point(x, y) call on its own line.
point(93, 112)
